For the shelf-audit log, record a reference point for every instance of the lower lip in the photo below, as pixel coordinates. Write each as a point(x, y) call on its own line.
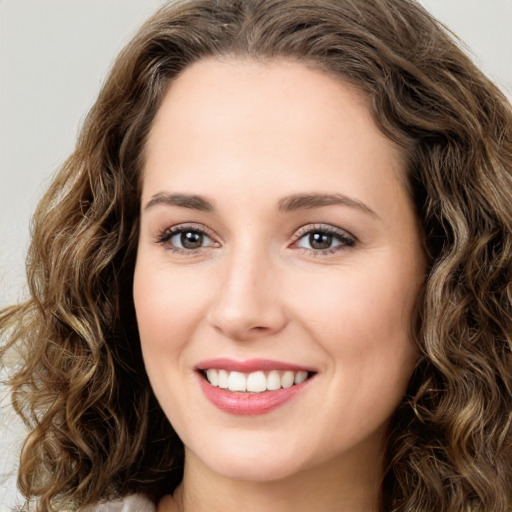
point(249, 404)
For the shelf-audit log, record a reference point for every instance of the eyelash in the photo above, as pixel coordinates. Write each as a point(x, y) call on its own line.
point(345, 240)
point(167, 234)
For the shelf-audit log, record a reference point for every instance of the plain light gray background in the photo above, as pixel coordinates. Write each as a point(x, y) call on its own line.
point(54, 55)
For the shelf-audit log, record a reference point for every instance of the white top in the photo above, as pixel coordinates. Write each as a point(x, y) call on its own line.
point(133, 503)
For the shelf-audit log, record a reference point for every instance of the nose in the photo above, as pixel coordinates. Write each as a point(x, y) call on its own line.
point(248, 303)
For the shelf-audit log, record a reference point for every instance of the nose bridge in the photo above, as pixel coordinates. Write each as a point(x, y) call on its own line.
point(246, 303)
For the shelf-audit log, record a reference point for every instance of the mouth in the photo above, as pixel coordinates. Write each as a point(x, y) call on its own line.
point(254, 382)
point(252, 387)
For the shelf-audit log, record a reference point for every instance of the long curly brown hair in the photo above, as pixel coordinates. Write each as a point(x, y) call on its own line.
point(96, 428)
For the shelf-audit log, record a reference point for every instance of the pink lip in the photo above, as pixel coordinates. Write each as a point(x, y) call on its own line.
point(251, 365)
point(249, 404)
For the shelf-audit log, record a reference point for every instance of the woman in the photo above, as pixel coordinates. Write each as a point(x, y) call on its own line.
point(285, 231)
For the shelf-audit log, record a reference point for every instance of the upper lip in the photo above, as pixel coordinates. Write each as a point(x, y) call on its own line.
point(250, 365)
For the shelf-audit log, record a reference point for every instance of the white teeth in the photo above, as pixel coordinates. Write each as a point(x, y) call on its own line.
point(287, 379)
point(273, 380)
point(255, 382)
point(213, 377)
point(300, 377)
point(237, 382)
point(223, 379)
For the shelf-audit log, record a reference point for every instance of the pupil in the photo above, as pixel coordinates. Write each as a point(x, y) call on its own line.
point(191, 240)
point(320, 240)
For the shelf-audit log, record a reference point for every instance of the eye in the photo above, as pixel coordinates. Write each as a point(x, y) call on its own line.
point(186, 239)
point(323, 239)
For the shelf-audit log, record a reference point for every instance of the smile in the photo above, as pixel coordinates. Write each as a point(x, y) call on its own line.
point(254, 382)
point(251, 388)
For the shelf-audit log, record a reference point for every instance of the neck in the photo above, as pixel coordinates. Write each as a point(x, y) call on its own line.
point(331, 486)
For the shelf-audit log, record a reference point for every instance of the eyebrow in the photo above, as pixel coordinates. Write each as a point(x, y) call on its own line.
point(306, 201)
point(286, 204)
point(192, 201)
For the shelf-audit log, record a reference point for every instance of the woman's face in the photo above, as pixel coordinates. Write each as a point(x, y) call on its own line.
point(277, 243)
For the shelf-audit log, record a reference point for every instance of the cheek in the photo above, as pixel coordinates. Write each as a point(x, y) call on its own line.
point(167, 308)
point(363, 320)
point(167, 313)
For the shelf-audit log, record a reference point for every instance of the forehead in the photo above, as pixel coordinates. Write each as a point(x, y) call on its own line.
point(211, 93)
point(266, 121)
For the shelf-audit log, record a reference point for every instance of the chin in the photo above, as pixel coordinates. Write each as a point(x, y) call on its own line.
point(263, 463)
point(257, 471)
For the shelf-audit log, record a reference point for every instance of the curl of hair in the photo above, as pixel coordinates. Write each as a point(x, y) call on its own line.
point(96, 429)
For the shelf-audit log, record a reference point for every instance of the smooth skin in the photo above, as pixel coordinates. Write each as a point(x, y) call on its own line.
point(252, 268)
